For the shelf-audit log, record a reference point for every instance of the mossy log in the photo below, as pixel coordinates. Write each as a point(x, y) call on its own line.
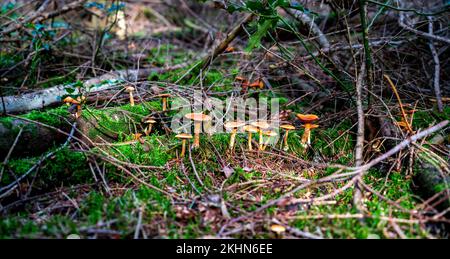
point(98, 125)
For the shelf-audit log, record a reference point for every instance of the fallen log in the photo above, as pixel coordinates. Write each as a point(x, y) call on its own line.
point(50, 96)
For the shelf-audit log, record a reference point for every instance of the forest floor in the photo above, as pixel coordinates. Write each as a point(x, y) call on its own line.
point(108, 182)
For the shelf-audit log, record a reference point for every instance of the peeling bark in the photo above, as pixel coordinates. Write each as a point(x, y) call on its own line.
point(50, 96)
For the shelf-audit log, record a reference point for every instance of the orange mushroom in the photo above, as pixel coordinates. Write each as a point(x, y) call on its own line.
point(261, 125)
point(130, 90)
point(184, 137)
point(198, 119)
point(287, 127)
point(308, 120)
point(250, 129)
point(234, 126)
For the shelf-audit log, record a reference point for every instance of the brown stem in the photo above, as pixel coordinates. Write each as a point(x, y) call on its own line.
point(183, 148)
point(285, 140)
point(131, 99)
point(197, 126)
point(164, 104)
point(260, 140)
point(233, 139)
point(250, 141)
point(79, 111)
point(306, 135)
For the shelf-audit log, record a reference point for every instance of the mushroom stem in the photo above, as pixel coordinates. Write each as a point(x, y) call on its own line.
point(164, 104)
point(260, 140)
point(148, 130)
point(285, 140)
point(266, 143)
point(183, 148)
point(250, 141)
point(306, 137)
point(197, 127)
point(131, 99)
point(79, 111)
point(233, 139)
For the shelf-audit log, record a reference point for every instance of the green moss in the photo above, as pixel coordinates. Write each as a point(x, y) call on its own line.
point(65, 167)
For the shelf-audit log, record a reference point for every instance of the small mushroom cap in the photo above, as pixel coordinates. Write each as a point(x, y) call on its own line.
point(307, 117)
point(402, 124)
point(270, 133)
point(312, 126)
point(234, 124)
point(137, 136)
point(184, 136)
point(287, 127)
point(261, 124)
point(257, 84)
point(197, 117)
point(277, 228)
point(150, 121)
point(250, 128)
point(164, 95)
point(69, 99)
point(129, 89)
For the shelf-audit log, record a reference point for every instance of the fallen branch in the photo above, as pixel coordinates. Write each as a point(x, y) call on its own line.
point(430, 36)
point(50, 96)
point(224, 44)
point(306, 20)
point(39, 17)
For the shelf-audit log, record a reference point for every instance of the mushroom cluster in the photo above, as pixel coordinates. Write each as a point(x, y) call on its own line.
point(261, 127)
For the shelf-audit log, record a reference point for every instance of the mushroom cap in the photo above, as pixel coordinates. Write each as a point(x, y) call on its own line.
point(402, 124)
point(261, 124)
point(287, 127)
point(240, 78)
point(277, 228)
point(250, 128)
point(69, 99)
point(164, 95)
point(234, 124)
point(150, 121)
point(137, 136)
point(311, 126)
point(197, 117)
point(257, 84)
point(184, 136)
point(307, 117)
point(129, 89)
point(270, 133)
